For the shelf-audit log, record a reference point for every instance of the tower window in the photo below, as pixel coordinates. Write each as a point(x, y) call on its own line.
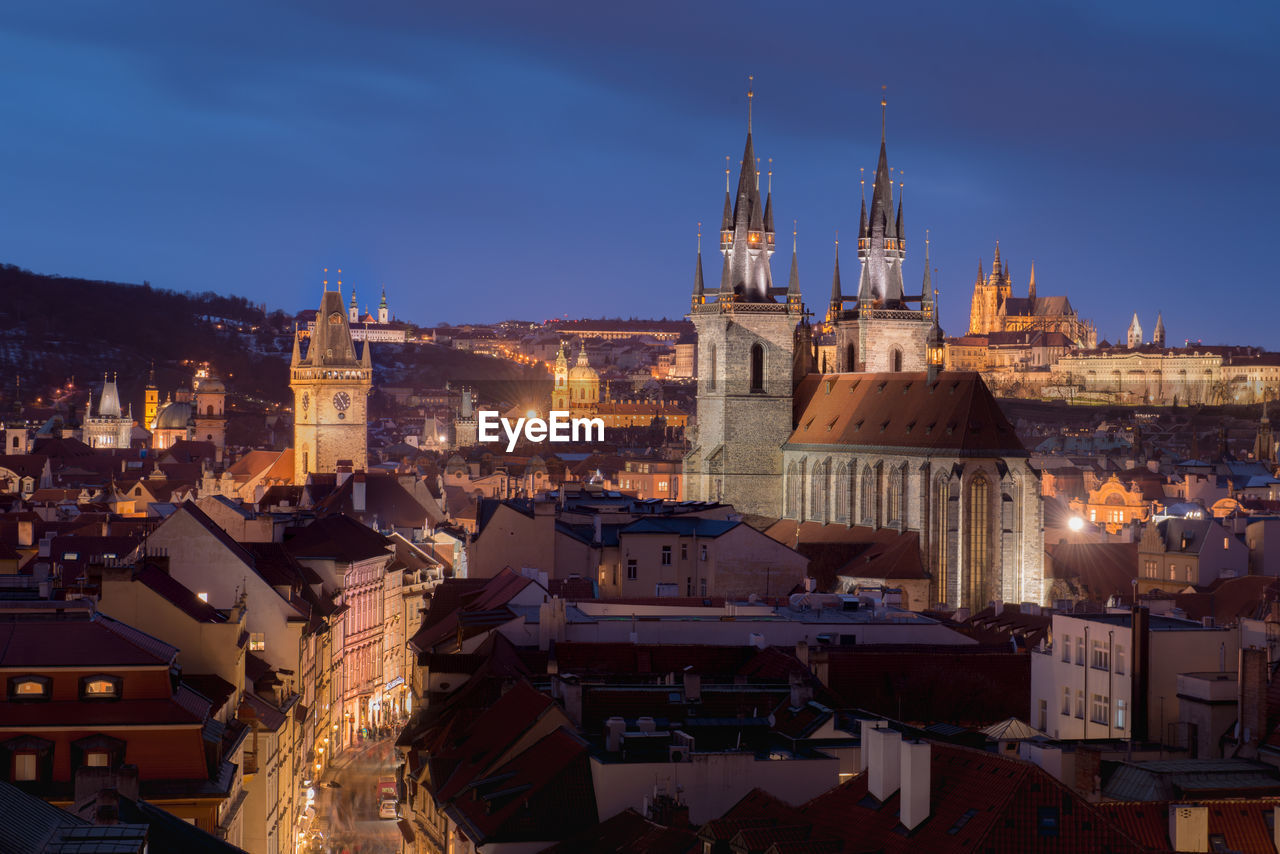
point(895, 359)
point(851, 357)
point(757, 367)
point(711, 382)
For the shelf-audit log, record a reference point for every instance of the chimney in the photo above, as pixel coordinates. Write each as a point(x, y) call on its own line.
point(864, 752)
point(127, 781)
point(801, 690)
point(1088, 770)
point(1252, 686)
point(913, 807)
point(614, 728)
point(692, 686)
point(1188, 827)
point(646, 724)
point(883, 763)
point(358, 492)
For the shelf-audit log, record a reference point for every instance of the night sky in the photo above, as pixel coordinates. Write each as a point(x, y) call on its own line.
point(531, 159)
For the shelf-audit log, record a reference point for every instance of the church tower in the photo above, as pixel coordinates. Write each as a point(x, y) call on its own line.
point(884, 329)
point(353, 311)
point(150, 399)
point(210, 410)
point(1157, 337)
point(746, 356)
point(1135, 332)
point(331, 387)
point(560, 386)
point(384, 316)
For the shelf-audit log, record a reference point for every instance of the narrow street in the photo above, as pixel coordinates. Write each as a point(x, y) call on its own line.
point(347, 805)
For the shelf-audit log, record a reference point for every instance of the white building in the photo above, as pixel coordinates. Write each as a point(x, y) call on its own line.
point(1101, 678)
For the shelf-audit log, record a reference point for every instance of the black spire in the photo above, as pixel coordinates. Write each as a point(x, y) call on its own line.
point(882, 199)
point(793, 282)
point(699, 293)
point(837, 294)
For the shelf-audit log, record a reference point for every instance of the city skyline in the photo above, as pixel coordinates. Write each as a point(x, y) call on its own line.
point(539, 165)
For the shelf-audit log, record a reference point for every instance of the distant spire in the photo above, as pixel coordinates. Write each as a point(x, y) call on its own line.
point(793, 283)
point(837, 293)
point(898, 226)
point(1031, 288)
point(1157, 336)
point(981, 277)
point(699, 293)
point(995, 263)
point(726, 222)
point(862, 221)
point(884, 105)
point(882, 224)
point(927, 285)
point(383, 303)
point(768, 202)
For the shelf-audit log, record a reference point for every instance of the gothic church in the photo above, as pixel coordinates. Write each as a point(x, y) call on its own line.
point(889, 441)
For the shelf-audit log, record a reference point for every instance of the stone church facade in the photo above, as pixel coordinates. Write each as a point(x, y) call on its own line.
point(331, 387)
point(888, 441)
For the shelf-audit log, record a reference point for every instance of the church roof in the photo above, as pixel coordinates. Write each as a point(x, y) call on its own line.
point(955, 412)
point(1058, 306)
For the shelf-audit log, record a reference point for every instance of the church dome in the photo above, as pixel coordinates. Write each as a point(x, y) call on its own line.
point(581, 371)
point(173, 416)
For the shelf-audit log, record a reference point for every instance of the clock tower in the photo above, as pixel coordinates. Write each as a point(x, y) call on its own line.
point(331, 387)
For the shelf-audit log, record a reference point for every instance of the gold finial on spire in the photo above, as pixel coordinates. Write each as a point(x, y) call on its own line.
point(699, 238)
point(884, 103)
point(837, 240)
point(325, 281)
point(862, 179)
point(795, 226)
point(770, 174)
point(726, 173)
point(750, 94)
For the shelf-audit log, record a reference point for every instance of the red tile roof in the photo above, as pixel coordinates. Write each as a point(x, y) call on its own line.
point(628, 832)
point(954, 412)
point(80, 642)
point(1242, 823)
point(857, 552)
point(979, 801)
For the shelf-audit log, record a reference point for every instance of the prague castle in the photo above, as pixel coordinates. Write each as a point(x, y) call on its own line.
point(330, 385)
point(994, 309)
point(889, 445)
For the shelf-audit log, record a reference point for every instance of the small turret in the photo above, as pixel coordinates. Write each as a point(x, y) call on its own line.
point(699, 292)
point(1157, 336)
point(353, 313)
point(1031, 288)
point(1135, 333)
point(384, 315)
point(837, 294)
point(793, 281)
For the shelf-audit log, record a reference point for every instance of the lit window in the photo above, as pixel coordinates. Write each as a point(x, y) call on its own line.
point(30, 688)
point(24, 767)
point(97, 759)
point(100, 687)
point(203, 597)
point(257, 642)
point(1120, 714)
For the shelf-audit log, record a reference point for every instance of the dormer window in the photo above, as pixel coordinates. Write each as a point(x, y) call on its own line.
point(100, 688)
point(28, 688)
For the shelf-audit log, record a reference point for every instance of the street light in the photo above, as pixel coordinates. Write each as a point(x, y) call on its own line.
point(1076, 523)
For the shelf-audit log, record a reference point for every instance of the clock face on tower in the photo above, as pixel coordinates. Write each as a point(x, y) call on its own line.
point(341, 401)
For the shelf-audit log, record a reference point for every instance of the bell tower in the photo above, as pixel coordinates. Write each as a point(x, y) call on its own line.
point(746, 334)
point(331, 386)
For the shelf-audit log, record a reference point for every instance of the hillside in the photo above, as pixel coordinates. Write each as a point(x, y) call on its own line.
point(54, 328)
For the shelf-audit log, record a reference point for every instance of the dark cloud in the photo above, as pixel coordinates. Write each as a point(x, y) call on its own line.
point(529, 159)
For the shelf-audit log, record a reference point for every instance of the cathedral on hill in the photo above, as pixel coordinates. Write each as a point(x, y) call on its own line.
point(888, 457)
point(994, 309)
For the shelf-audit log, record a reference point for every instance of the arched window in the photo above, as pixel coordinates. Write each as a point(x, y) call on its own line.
point(793, 491)
point(895, 360)
point(867, 488)
point(977, 543)
point(842, 489)
point(818, 504)
point(757, 367)
point(894, 510)
point(941, 495)
point(211, 409)
point(851, 357)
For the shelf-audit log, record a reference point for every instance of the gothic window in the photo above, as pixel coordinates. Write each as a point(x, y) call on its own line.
point(757, 367)
point(897, 487)
point(851, 357)
point(941, 494)
point(842, 490)
point(711, 379)
point(867, 491)
point(977, 557)
point(818, 506)
point(793, 491)
point(895, 360)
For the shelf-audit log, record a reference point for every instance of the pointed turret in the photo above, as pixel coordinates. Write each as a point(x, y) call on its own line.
point(1158, 335)
point(1005, 275)
point(898, 224)
point(793, 281)
point(981, 277)
point(297, 347)
point(926, 284)
point(699, 292)
point(1031, 288)
point(862, 221)
point(1135, 332)
point(837, 292)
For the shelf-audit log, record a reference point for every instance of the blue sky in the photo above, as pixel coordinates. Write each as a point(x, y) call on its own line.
point(516, 159)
